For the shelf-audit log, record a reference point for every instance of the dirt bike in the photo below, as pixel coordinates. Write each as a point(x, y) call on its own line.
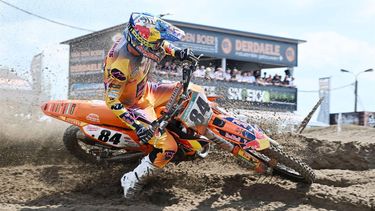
point(195, 121)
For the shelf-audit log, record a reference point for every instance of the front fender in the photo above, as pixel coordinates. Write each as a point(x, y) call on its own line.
point(240, 133)
point(263, 144)
point(256, 138)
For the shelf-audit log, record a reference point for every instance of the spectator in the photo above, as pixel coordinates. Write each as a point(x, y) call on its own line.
point(200, 72)
point(276, 80)
point(227, 75)
point(256, 74)
point(264, 76)
point(243, 77)
point(248, 77)
point(232, 74)
point(159, 69)
point(240, 77)
point(171, 68)
point(286, 80)
point(269, 79)
point(251, 77)
point(208, 74)
point(287, 72)
point(167, 66)
point(260, 81)
point(179, 70)
point(291, 82)
point(237, 75)
point(219, 74)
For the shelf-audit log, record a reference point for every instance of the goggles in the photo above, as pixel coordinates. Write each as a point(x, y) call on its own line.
point(139, 40)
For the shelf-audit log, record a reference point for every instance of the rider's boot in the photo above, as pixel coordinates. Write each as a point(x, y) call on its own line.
point(133, 181)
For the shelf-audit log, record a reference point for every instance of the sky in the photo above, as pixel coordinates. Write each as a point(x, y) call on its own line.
point(340, 34)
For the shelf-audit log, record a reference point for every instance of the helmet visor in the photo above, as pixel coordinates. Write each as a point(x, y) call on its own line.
point(136, 40)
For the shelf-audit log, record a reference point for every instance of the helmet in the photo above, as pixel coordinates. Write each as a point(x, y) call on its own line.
point(146, 33)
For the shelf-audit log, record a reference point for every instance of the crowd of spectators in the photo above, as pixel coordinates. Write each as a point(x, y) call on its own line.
point(233, 75)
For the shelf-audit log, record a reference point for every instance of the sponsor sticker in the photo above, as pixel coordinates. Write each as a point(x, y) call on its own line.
point(108, 136)
point(93, 118)
point(92, 128)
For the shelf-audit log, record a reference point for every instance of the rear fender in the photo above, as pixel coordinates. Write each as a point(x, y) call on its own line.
point(81, 112)
point(64, 110)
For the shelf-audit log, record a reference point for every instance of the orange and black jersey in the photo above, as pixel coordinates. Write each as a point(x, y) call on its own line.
point(125, 78)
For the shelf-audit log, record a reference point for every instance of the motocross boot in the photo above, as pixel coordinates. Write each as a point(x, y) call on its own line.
point(133, 181)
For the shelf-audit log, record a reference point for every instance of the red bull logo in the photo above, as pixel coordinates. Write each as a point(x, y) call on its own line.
point(143, 31)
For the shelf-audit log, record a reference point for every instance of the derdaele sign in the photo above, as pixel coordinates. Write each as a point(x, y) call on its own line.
point(239, 48)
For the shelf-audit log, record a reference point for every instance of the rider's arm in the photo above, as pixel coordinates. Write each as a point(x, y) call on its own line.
point(170, 49)
point(176, 52)
point(114, 85)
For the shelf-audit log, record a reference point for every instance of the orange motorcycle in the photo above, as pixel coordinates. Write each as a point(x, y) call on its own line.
point(195, 121)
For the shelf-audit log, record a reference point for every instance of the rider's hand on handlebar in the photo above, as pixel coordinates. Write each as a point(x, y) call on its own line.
point(186, 54)
point(144, 134)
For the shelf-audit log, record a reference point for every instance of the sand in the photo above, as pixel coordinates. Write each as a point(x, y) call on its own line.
point(36, 172)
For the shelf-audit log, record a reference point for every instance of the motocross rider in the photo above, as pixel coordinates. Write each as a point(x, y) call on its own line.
point(132, 98)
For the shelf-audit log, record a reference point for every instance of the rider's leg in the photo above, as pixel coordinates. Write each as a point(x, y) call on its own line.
point(133, 181)
point(165, 148)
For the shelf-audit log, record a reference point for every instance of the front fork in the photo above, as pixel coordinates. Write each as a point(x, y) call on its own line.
point(238, 152)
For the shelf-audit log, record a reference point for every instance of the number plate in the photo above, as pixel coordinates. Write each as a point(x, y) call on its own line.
point(198, 112)
point(111, 137)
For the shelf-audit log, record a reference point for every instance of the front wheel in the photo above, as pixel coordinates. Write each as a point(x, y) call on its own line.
point(286, 165)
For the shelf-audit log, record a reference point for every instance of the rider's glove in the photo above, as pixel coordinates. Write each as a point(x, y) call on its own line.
point(144, 134)
point(185, 54)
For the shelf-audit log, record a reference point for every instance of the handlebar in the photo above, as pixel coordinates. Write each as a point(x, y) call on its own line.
point(186, 72)
point(195, 59)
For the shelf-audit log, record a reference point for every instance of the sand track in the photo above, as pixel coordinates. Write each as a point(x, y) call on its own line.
point(37, 172)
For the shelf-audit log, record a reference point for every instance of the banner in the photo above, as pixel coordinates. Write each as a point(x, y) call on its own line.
point(224, 45)
point(370, 119)
point(234, 94)
point(350, 118)
point(324, 91)
point(86, 61)
point(363, 118)
point(250, 96)
point(36, 72)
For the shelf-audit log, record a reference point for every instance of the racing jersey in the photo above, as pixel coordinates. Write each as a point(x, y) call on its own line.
point(125, 77)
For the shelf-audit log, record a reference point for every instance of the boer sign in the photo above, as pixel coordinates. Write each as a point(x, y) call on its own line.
point(241, 48)
point(83, 61)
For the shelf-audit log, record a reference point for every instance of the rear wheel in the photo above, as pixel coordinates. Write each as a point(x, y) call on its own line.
point(89, 151)
point(286, 165)
point(73, 141)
